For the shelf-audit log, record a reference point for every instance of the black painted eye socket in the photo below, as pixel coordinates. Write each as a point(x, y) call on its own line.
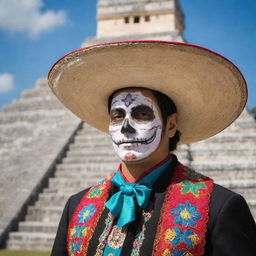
point(143, 113)
point(117, 115)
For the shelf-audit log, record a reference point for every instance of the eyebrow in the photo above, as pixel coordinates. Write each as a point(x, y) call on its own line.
point(120, 110)
point(142, 107)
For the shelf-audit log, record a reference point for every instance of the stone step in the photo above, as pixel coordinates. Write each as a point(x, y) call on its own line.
point(89, 129)
point(224, 155)
point(231, 174)
point(36, 92)
point(58, 188)
point(56, 199)
point(204, 166)
point(229, 137)
point(10, 135)
point(92, 139)
point(45, 214)
point(223, 151)
point(245, 122)
point(23, 105)
point(79, 182)
point(242, 127)
point(84, 173)
point(248, 184)
point(77, 146)
point(91, 150)
point(246, 145)
point(92, 158)
point(30, 241)
point(31, 116)
point(38, 226)
point(84, 168)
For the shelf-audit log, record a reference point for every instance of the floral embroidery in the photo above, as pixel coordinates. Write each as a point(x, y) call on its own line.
point(176, 236)
point(176, 252)
point(191, 187)
point(95, 192)
point(103, 237)
point(78, 231)
point(186, 214)
point(187, 205)
point(86, 213)
point(75, 247)
point(166, 252)
point(140, 237)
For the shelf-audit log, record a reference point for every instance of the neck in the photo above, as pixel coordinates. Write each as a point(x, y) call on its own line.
point(134, 171)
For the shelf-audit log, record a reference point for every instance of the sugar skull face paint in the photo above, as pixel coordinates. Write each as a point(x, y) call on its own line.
point(135, 126)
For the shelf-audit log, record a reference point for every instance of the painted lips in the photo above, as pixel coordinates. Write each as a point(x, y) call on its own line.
point(137, 141)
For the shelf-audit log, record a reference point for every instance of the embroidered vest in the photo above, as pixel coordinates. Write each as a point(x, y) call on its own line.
point(182, 225)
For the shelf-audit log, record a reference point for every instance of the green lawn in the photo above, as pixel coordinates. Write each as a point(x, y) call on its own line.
point(22, 253)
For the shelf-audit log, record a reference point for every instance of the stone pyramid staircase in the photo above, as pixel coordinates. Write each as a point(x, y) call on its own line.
point(34, 131)
point(228, 157)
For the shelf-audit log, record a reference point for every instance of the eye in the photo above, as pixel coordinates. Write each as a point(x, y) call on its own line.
point(143, 113)
point(117, 116)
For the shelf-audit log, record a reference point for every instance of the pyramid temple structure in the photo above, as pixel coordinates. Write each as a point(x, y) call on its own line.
point(47, 154)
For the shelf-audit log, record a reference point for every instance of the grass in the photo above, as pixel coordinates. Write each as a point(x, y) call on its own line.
point(23, 253)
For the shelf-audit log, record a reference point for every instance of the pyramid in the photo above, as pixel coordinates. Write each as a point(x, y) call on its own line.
point(48, 154)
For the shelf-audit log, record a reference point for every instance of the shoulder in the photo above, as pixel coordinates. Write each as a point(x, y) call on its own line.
point(222, 196)
point(224, 202)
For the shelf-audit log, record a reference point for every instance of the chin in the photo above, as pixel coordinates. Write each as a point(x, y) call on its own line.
point(133, 157)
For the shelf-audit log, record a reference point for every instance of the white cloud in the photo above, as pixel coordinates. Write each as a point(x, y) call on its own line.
point(6, 82)
point(26, 16)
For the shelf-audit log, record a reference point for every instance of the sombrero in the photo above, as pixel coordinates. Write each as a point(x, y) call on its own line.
point(208, 90)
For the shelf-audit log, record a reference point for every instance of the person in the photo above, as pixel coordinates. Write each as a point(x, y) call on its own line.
point(150, 96)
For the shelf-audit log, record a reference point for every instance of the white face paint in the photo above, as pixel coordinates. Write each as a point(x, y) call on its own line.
point(135, 126)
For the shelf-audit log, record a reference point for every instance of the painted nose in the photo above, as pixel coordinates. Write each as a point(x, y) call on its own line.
point(127, 128)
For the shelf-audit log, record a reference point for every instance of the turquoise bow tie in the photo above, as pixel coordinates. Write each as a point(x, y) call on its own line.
point(122, 204)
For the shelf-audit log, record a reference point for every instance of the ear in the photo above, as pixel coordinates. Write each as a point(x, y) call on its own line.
point(171, 124)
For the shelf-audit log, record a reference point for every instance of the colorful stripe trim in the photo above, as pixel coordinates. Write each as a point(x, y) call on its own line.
point(86, 217)
point(182, 225)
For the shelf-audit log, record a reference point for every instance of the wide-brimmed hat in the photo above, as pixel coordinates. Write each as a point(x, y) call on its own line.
point(208, 90)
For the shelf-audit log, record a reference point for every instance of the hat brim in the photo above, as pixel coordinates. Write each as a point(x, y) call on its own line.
point(207, 89)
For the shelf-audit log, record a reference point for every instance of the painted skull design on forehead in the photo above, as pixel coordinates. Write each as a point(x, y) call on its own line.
point(135, 126)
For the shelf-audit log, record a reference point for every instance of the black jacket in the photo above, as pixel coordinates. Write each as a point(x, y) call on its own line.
point(231, 230)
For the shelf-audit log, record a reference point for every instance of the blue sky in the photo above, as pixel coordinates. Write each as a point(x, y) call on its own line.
point(35, 33)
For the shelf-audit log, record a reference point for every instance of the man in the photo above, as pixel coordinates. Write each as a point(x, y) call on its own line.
point(150, 96)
